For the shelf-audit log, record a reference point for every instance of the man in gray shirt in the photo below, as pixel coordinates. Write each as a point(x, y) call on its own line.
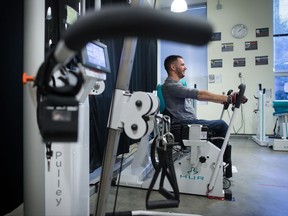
point(178, 98)
point(179, 107)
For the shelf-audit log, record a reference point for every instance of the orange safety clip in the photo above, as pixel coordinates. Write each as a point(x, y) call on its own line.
point(26, 78)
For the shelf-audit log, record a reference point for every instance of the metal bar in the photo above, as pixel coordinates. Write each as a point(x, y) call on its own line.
point(33, 147)
point(221, 153)
point(123, 80)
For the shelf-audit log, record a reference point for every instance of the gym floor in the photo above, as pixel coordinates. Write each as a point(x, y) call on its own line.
point(259, 187)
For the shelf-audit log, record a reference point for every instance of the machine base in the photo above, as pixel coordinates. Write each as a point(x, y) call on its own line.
point(228, 195)
point(193, 177)
point(260, 142)
point(280, 144)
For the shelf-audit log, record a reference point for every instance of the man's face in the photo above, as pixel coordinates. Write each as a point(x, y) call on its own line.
point(180, 68)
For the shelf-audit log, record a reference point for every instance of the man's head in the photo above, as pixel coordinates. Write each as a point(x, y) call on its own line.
point(175, 66)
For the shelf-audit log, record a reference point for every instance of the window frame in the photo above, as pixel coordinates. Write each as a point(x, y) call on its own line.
point(280, 76)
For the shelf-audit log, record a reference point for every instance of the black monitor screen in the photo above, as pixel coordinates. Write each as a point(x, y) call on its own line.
point(95, 56)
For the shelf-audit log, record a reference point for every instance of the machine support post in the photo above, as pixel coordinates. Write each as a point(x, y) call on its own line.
point(123, 80)
point(220, 156)
point(107, 171)
point(126, 63)
point(33, 148)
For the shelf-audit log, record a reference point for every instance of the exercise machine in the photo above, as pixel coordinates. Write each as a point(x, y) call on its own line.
point(90, 27)
point(279, 141)
point(260, 138)
point(200, 171)
point(63, 111)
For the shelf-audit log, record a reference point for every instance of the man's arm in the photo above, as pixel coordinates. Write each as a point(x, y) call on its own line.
point(211, 97)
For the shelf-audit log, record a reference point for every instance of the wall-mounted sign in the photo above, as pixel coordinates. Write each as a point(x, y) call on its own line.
point(215, 78)
point(216, 36)
point(227, 47)
point(211, 78)
point(262, 32)
point(239, 62)
point(261, 60)
point(216, 63)
point(251, 45)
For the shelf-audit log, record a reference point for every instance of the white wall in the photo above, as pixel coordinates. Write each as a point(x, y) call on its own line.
point(254, 14)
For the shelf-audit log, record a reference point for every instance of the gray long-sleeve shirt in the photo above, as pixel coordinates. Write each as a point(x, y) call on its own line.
point(178, 100)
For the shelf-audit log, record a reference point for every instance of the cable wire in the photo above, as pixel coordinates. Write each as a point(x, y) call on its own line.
point(118, 183)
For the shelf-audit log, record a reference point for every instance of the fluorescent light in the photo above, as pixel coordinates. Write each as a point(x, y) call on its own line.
point(178, 6)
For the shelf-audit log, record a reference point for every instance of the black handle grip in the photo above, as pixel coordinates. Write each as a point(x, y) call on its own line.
point(115, 21)
point(240, 96)
point(226, 105)
point(156, 204)
point(122, 213)
point(169, 202)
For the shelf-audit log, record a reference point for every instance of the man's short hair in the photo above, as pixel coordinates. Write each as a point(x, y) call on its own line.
point(169, 60)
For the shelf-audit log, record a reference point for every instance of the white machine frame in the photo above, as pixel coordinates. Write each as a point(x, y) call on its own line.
point(260, 138)
point(281, 143)
point(68, 192)
point(193, 177)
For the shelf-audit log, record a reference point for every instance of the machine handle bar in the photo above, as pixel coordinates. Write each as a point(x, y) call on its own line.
point(226, 105)
point(240, 96)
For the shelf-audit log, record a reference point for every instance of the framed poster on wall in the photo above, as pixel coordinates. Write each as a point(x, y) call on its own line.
point(251, 45)
point(261, 60)
point(216, 36)
point(216, 63)
point(262, 32)
point(226, 47)
point(239, 62)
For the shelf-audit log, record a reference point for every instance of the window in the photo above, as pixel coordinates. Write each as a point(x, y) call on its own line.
point(195, 57)
point(280, 34)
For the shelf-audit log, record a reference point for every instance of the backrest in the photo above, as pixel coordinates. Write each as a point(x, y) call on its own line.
point(161, 98)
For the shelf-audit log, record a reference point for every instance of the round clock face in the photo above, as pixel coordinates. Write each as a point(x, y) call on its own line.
point(239, 31)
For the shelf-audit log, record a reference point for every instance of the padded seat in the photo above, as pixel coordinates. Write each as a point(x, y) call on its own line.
point(280, 107)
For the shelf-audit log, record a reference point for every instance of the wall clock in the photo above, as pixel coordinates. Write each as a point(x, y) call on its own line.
point(239, 31)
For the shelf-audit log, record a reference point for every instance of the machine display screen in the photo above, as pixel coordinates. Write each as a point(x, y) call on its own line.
point(95, 56)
